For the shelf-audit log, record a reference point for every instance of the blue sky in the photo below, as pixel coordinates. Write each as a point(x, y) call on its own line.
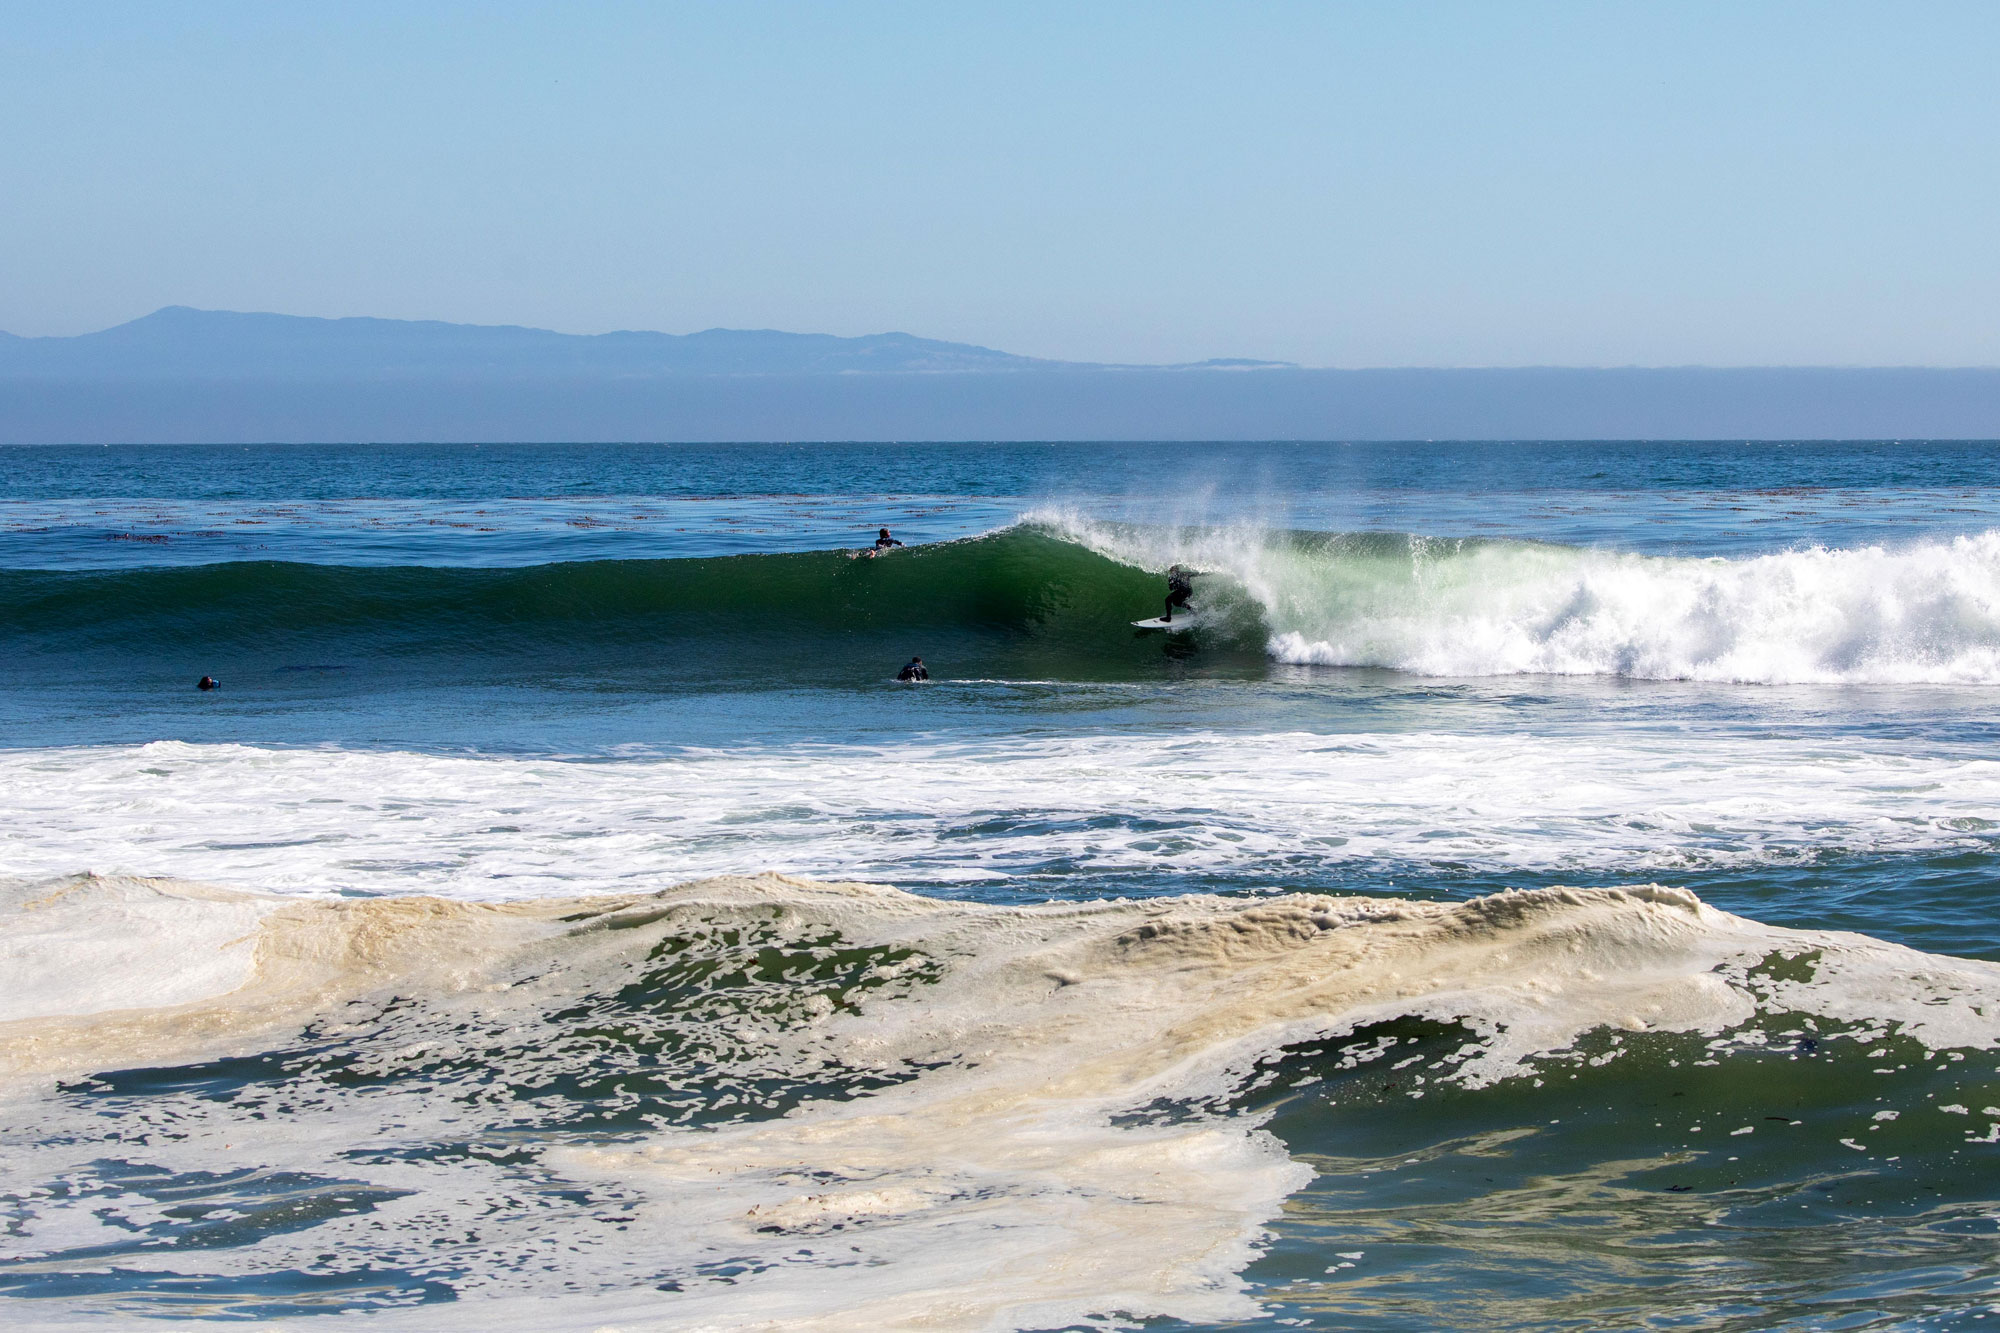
point(1337, 184)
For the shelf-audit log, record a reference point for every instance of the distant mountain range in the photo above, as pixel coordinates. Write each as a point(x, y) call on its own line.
point(205, 376)
point(183, 343)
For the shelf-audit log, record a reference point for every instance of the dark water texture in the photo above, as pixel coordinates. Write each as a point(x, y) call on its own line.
point(1014, 603)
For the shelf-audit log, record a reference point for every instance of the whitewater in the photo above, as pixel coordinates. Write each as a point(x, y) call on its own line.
point(1027, 815)
point(1926, 612)
point(975, 1128)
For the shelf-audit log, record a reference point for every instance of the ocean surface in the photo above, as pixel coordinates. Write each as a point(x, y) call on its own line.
point(1549, 887)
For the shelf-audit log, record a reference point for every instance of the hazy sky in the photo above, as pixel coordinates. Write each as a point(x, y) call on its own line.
point(1486, 183)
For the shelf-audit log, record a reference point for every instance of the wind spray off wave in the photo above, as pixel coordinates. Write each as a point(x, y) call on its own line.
point(1928, 612)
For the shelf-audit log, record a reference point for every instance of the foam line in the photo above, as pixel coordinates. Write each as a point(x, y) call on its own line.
point(1249, 806)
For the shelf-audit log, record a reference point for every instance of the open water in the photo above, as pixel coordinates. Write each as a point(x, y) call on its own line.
point(1552, 886)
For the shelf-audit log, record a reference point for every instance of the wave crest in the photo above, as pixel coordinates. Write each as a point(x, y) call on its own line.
point(1052, 597)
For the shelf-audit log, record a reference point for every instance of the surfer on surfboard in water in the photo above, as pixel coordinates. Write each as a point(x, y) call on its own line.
point(1180, 587)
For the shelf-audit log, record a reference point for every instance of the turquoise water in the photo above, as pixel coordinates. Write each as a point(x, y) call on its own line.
point(1422, 674)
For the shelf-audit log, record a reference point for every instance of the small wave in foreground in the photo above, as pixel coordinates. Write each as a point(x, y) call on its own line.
point(836, 1106)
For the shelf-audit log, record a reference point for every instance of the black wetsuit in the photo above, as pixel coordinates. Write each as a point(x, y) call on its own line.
point(916, 670)
point(885, 541)
point(1179, 589)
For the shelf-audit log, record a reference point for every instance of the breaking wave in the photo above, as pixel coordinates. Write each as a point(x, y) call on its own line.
point(1052, 598)
point(1928, 612)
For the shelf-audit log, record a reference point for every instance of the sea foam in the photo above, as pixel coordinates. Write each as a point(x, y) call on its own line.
point(769, 1102)
point(1252, 807)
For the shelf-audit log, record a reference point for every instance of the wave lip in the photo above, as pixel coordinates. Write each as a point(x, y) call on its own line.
point(1926, 613)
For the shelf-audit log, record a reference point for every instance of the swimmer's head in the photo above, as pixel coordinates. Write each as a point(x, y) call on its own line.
point(207, 683)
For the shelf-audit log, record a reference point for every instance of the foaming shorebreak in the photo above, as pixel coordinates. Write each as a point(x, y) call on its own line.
point(769, 1102)
point(1924, 612)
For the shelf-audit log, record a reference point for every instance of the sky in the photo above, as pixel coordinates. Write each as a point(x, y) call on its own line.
point(1407, 184)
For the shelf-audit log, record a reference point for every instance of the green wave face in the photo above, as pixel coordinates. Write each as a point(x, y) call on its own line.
point(1055, 601)
point(1017, 603)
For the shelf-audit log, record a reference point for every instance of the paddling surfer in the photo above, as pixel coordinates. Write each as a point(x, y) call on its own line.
point(883, 542)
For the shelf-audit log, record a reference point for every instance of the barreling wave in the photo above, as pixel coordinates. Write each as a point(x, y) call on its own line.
point(1012, 580)
point(1018, 601)
point(772, 1103)
point(1053, 595)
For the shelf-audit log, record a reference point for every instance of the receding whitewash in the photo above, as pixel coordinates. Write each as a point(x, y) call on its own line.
point(508, 826)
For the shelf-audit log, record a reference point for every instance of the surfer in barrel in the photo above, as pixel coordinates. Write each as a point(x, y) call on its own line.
point(1180, 587)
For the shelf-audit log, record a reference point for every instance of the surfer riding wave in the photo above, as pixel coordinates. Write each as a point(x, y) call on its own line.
point(1180, 587)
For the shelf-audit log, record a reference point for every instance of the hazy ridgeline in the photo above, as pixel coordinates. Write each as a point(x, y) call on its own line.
point(192, 376)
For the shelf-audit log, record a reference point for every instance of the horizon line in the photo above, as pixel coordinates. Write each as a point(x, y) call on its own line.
point(1051, 363)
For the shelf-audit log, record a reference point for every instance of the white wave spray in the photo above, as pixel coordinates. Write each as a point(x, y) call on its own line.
point(1925, 613)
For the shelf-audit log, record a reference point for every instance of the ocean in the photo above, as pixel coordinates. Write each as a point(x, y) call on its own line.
point(1550, 886)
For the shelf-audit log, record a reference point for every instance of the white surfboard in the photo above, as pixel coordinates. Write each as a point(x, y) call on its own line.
point(1177, 623)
